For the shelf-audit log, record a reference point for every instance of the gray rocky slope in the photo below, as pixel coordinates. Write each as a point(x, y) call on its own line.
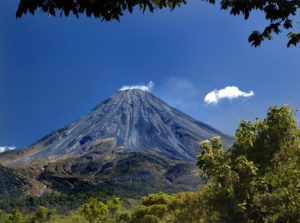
point(139, 121)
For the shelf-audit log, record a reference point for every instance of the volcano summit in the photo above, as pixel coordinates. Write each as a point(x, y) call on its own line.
point(130, 145)
point(139, 121)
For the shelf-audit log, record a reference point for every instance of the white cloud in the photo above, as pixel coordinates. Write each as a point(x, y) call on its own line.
point(147, 87)
point(6, 148)
point(229, 92)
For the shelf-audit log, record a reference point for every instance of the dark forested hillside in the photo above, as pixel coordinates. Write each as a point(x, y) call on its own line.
point(257, 180)
point(103, 171)
point(11, 185)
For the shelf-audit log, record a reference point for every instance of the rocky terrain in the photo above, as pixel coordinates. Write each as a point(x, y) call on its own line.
point(137, 119)
point(130, 145)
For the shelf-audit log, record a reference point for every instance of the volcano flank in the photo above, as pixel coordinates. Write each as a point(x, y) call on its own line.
point(139, 121)
point(130, 145)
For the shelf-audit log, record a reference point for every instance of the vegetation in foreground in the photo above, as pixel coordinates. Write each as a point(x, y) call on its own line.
point(258, 180)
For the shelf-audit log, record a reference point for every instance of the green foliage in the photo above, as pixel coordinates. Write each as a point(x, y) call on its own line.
point(97, 212)
point(150, 213)
point(63, 203)
point(94, 211)
point(114, 207)
point(16, 217)
point(41, 215)
point(159, 198)
point(4, 218)
point(176, 208)
point(154, 208)
point(258, 179)
point(191, 207)
point(10, 184)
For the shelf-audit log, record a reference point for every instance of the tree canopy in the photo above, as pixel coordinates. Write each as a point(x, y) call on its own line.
point(258, 180)
point(278, 13)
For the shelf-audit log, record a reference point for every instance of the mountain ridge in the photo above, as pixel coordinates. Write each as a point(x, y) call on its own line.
point(138, 120)
point(130, 145)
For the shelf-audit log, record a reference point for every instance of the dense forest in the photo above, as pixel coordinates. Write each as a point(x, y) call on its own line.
point(257, 180)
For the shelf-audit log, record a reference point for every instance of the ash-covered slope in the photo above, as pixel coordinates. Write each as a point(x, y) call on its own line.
point(139, 121)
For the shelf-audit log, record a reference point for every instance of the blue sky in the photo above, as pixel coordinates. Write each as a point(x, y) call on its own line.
point(55, 70)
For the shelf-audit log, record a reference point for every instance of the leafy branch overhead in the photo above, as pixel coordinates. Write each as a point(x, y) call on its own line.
point(278, 13)
point(106, 9)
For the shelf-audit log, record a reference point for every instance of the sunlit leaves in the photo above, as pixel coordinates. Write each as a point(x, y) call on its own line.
point(261, 171)
point(98, 212)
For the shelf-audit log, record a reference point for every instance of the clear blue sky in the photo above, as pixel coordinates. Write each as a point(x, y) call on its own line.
point(55, 70)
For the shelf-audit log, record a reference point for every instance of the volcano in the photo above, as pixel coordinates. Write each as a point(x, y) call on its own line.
point(139, 121)
point(130, 145)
